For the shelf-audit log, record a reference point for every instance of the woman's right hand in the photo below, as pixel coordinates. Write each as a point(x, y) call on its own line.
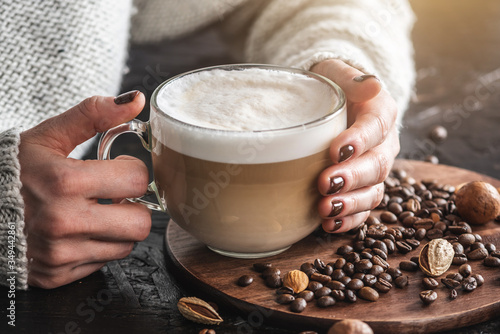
point(69, 234)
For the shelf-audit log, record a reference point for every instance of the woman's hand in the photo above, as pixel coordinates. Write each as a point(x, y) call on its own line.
point(69, 234)
point(363, 154)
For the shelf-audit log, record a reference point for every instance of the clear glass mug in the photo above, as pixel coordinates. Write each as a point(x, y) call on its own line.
point(246, 194)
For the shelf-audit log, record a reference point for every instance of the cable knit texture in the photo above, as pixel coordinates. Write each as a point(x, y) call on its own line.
point(55, 53)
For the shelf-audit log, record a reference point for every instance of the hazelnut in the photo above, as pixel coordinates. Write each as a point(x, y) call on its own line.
point(296, 280)
point(350, 326)
point(478, 202)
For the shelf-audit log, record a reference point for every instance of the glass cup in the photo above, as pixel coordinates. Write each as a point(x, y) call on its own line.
point(245, 194)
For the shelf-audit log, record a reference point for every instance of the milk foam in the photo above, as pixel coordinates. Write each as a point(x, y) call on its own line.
point(249, 100)
point(211, 104)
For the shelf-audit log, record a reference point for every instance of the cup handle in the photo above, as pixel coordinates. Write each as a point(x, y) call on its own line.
point(142, 130)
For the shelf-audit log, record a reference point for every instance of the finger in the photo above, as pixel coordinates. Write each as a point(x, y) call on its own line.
point(357, 86)
point(49, 280)
point(341, 205)
point(373, 121)
point(371, 168)
point(95, 114)
point(345, 224)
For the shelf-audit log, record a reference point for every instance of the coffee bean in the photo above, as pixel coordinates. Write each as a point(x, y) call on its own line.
point(245, 280)
point(476, 245)
point(376, 270)
point(336, 285)
point(325, 301)
point(466, 239)
point(368, 293)
point(394, 272)
point(369, 280)
point(455, 276)
point(324, 291)
point(438, 134)
point(285, 299)
point(401, 281)
point(495, 254)
point(323, 279)
point(469, 284)
point(382, 285)
point(414, 243)
point(450, 283)
point(388, 217)
point(479, 279)
point(364, 266)
point(374, 233)
point(477, 254)
point(405, 214)
point(425, 223)
point(355, 284)
point(434, 233)
point(391, 246)
point(453, 294)
point(403, 247)
point(395, 208)
point(328, 270)
point(428, 296)
point(490, 247)
point(314, 285)
point(340, 263)
point(349, 269)
point(385, 276)
point(465, 270)
point(420, 234)
point(366, 254)
point(306, 266)
point(350, 296)
point(459, 259)
point(273, 281)
point(319, 264)
point(458, 248)
point(261, 266)
point(491, 261)
point(457, 230)
point(407, 265)
point(307, 295)
point(298, 305)
point(271, 272)
point(338, 295)
point(430, 283)
point(352, 257)
point(344, 249)
point(410, 221)
point(377, 260)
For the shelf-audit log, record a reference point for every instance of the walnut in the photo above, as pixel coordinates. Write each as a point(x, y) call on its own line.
point(478, 202)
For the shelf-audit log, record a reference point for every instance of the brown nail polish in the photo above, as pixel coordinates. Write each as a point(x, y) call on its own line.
point(337, 224)
point(337, 207)
point(126, 97)
point(364, 77)
point(336, 183)
point(346, 152)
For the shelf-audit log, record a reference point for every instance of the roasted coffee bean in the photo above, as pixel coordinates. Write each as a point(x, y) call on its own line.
point(438, 134)
point(366, 255)
point(405, 214)
point(344, 280)
point(394, 272)
point(388, 217)
point(307, 295)
point(469, 284)
point(477, 245)
point(314, 285)
point(414, 243)
point(441, 226)
point(401, 281)
point(350, 296)
point(358, 276)
point(477, 254)
point(407, 265)
point(410, 221)
point(430, 283)
point(450, 283)
point(465, 270)
point(273, 281)
point(395, 233)
point(319, 264)
point(479, 279)
point(338, 295)
point(453, 294)
point(352, 257)
point(403, 247)
point(495, 254)
point(372, 220)
point(349, 269)
point(491, 261)
point(385, 276)
point(428, 296)
point(323, 279)
point(382, 285)
point(271, 272)
point(328, 270)
point(306, 266)
point(369, 242)
point(340, 263)
point(374, 233)
point(298, 305)
point(325, 301)
point(261, 266)
point(420, 234)
point(490, 247)
point(380, 262)
point(415, 259)
point(391, 246)
point(425, 223)
point(369, 280)
point(335, 285)
point(376, 270)
point(364, 266)
point(355, 284)
point(395, 198)
point(459, 259)
point(368, 293)
point(434, 233)
point(395, 208)
point(344, 249)
point(455, 276)
point(337, 274)
point(358, 246)
point(285, 299)
point(412, 205)
point(457, 230)
point(245, 280)
point(380, 246)
point(466, 239)
point(458, 248)
point(324, 291)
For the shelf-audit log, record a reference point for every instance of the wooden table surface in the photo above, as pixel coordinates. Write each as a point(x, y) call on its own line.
point(457, 54)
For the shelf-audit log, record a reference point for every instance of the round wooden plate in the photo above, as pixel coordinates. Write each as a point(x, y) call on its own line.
point(398, 311)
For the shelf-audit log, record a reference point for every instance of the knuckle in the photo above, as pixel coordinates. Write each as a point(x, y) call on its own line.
point(55, 257)
point(89, 107)
point(144, 224)
point(383, 167)
point(62, 180)
point(379, 194)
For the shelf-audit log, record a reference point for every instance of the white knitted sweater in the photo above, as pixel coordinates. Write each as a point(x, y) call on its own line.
point(55, 53)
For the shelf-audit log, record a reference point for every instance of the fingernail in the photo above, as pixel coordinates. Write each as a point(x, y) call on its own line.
point(345, 152)
point(336, 225)
point(337, 207)
point(126, 97)
point(364, 77)
point(336, 183)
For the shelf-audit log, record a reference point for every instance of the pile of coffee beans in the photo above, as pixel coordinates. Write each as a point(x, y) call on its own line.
point(412, 212)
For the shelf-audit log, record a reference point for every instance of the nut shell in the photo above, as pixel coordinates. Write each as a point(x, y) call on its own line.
point(436, 257)
point(198, 310)
point(296, 280)
point(478, 202)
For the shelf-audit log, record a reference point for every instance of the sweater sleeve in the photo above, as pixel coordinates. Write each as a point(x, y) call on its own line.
point(13, 262)
point(371, 35)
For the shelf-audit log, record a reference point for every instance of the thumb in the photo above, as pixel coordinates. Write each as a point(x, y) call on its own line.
point(357, 86)
point(83, 121)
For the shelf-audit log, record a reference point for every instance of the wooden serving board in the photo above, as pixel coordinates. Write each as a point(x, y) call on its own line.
point(398, 311)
